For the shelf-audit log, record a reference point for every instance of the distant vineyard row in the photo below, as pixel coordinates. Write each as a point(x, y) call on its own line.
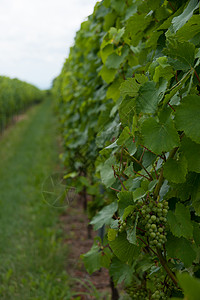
point(129, 107)
point(15, 97)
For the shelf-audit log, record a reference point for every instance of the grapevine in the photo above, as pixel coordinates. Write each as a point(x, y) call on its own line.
point(128, 103)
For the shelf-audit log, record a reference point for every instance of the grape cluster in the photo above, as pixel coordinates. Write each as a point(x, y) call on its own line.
point(138, 293)
point(158, 295)
point(159, 284)
point(121, 225)
point(154, 221)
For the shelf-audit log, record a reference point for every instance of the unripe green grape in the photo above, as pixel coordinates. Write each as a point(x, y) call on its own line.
point(151, 204)
point(160, 229)
point(153, 218)
point(153, 226)
point(152, 234)
point(143, 211)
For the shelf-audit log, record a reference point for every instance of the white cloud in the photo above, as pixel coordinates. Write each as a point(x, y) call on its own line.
point(35, 36)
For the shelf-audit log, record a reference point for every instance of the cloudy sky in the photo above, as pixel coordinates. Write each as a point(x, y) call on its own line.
point(35, 36)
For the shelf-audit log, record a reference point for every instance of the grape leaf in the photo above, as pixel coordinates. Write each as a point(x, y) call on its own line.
point(183, 52)
point(112, 233)
point(195, 193)
point(180, 248)
point(131, 231)
point(125, 251)
point(191, 151)
point(129, 87)
point(196, 233)
point(113, 90)
point(190, 286)
point(159, 137)
point(190, 29)
point(107, 173)
point(92, 259)
point(107, 74)
point(180, 20)
point(176, 170)
point(120, 272)
point(114, 61)
point(188, 117)
point(104, 216)
point(124, 136)
point(149, 97)
point(180, 221)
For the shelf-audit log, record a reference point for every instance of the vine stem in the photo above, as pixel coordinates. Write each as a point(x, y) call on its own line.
point(195, 72)
point(166, 267)
point(161, 177)
point(115, 189)
point(147, 245)
point(141, 165)
point(171, 6)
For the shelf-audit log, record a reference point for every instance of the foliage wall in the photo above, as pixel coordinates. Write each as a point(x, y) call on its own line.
point(129, 107)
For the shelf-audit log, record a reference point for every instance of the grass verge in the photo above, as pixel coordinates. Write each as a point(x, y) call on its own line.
point(32, 255)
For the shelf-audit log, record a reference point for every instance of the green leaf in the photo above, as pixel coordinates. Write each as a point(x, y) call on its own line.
point(180, 221)
point(104, 216)
point(149, 97)
point(108, 75)
point(125, 199)
point(180, 248)
point(124, 136)
point(106, 51)
point(92, 259)
point(125, 251)
point(129, 209)
point(188, 117)
point(138, 194)
point(176, 170)
point(136, 27)
point(195, 193)
point(190, 286)
point(121, 272)
point(131, 232)
point(159, 137)
point(126, 112)
point(114, 61)
point(131, 146)
point(191, 151)
point(129, 87)
point(190, 29)
point(196, 233)
point(176, 88)
point(112, 233)
point(180, 20)
point(106, 255)
point(183, 52)
point(116, 35)
point(107, 173)
point(113, 90)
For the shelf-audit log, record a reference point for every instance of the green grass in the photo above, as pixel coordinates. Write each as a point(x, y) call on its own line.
point(32, 255)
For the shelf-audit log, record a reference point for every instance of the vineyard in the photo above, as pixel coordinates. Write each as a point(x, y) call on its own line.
point(128, 101)
point(128, 112)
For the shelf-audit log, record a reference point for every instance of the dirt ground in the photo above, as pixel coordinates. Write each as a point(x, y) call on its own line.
point(75, 224)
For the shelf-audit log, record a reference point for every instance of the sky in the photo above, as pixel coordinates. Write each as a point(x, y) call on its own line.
point(35, 37)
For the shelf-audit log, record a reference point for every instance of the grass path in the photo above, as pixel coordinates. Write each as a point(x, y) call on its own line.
point(32, 258)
